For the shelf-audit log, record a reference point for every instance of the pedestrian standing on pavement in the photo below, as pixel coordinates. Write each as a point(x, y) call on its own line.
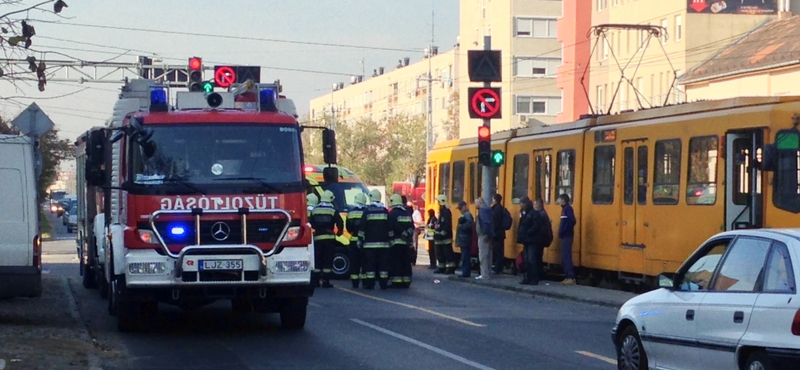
point(374, 238)
point(499, 239)
point(566, 231)
point(466, 224)
point(545, 231)
point(324, 220)
point(484, 228)
point(430, 231)
point(401, 229)
point(443, 238)
point(528, 234)
point(353, 223)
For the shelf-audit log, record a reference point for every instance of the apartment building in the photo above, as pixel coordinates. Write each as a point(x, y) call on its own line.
point(404, 90)
point(573, 30)
point(526, 33)
point(690, 32)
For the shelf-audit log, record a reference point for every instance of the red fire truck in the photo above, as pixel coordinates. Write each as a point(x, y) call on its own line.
point(202, 201)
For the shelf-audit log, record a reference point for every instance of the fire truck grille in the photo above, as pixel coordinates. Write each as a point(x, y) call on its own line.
point(222, 232)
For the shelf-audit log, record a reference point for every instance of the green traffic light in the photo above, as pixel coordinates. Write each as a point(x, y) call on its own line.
point(208, 87)
point(498, 158)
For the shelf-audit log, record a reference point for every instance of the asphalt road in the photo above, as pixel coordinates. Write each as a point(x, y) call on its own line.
point(437, 324)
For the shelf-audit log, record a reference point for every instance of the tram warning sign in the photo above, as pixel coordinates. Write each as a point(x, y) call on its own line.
point(484, 65)
point(484, 102)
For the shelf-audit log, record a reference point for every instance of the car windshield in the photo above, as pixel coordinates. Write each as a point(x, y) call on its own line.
point(198, 156)
point(345, 193)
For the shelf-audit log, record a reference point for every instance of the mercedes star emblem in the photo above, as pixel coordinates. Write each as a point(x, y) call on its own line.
point(220, 231)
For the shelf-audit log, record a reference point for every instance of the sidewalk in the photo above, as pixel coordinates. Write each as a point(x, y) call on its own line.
point(552, 289)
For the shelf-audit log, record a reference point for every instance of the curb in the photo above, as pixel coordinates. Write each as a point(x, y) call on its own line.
point(83, 333)
point(538, 293)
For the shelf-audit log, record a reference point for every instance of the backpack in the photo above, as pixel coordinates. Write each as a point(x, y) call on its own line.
point(507, 220)
point(547, 234)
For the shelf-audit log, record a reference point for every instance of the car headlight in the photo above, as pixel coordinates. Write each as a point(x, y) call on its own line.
point(292, 234)
point(148, 236)
point(291, 266)
point(147, 268)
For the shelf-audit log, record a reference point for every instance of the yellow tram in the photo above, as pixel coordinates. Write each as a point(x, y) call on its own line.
point(648, 186)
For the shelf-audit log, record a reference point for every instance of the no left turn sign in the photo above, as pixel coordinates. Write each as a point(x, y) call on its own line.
point(484, 102)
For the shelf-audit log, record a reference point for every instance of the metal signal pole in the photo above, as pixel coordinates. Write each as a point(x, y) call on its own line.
point(487, 170)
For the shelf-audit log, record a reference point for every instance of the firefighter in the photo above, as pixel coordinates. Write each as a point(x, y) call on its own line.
point(323, 219)
point(312, 200)
point(373, 237)
point(443, 239)
point(354, 220)
point(401, 229)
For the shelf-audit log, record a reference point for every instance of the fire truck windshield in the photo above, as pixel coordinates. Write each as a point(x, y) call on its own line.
point(264, 158)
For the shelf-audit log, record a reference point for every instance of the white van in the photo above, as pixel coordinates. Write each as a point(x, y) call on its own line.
point(20, 242)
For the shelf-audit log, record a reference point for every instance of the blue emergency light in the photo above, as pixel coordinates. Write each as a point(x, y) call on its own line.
point(177, 231)
point(158, 100)
point(267, 100)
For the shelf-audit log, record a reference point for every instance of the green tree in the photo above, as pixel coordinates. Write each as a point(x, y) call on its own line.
point(54, 150)
point(408, 147)
point(451, 125)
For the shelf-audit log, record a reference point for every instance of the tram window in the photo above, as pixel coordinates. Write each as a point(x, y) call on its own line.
point(641, 193)
point(701, 187)
point(787, 181)
point(603, 179)
point(458, 181)
point(628, 191)
point(565, 182)
point(476, 179)
point(544, 166)
point(519, 186)
point(666, 182)
point(444, 178)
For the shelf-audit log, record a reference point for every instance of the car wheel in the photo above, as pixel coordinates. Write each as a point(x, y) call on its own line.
point(293, 313)
point(630, 353)
point(758, 361)
point(341, 263)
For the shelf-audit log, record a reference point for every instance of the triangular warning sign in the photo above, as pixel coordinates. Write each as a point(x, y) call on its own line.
point(484, 65)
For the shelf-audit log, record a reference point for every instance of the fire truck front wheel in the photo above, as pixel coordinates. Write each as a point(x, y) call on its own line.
point(293, 312)
point(131, 314)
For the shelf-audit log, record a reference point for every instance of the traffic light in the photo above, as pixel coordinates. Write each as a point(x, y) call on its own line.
point(195, 82)
point(498, 158)
point(485, 145)
point(208, 87)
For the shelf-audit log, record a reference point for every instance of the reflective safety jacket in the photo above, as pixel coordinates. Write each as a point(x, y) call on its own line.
point(374, 229)
point(401, 226)
point(323, 219)
point(444, 229)
point(354, 221)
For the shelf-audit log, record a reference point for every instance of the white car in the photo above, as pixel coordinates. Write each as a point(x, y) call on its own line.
point(732, 305)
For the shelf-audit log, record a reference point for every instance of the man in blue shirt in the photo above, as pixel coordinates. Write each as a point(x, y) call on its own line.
point(566, 231)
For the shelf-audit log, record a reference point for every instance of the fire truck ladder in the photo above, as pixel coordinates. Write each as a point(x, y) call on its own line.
point(600, 31)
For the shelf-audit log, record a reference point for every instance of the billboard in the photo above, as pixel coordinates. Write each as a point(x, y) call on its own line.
point(733, 6)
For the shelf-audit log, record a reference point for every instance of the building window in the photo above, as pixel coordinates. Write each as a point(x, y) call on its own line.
point(599, 104)
point(666, 183)
point(538, 105)
point(678, 28)
point(601, 4)
point(536, 67)
point(665, 24)
point(536, 27)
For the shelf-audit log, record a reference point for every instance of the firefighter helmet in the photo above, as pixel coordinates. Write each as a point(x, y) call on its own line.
point(361, 199)
point(442, 199)
point(327, 196)
point(395, 200)
point(312, 199)
point(375, 196)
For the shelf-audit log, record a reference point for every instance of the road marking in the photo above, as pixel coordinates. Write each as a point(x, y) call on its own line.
point(423, 345)
point(597, 357)
point(406, 305)
point(312, 304)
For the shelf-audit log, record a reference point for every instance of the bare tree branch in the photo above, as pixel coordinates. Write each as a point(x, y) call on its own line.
point(27, 9)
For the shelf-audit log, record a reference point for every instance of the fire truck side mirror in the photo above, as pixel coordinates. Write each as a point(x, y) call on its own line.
point(95, 157)
point(330, 175)
point(329, 146)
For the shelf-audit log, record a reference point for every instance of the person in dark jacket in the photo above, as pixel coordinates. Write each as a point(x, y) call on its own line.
point(327, 224)
point(430, 229)
point(353, 222)
point(464, 237)
point(538, 206)
point(499, 239)
point(401, 229)
point(566, 231)
point(373, 235)
point(528, 234)
point(443, 238)
point(484, 228)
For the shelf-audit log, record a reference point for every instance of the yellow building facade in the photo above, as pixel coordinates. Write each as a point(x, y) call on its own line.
point(403, 90)
point(694, 31)
point(525, 33)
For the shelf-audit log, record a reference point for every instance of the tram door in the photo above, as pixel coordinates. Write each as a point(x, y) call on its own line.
point(743, 196)
point(634, 197)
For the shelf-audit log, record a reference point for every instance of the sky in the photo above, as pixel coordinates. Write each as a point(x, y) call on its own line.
point(306, 71)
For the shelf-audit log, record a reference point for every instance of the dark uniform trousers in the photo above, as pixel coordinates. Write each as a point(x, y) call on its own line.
point(443, 240)
point(401, 231)
point(354, 252)
point(324, 219)
point(374, 237)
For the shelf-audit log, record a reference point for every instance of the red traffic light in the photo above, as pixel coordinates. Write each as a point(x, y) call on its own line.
point(195, 63)
point(484, 132)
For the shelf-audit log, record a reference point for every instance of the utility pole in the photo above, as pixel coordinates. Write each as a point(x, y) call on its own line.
point(333, 109)
point(487, 170)
point(429, 127)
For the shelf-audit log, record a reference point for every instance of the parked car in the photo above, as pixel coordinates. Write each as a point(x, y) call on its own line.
point(72, 222)
point(732, 305)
